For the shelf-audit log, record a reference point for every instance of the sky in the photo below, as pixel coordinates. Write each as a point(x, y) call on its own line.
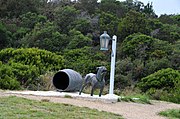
point(164, 6)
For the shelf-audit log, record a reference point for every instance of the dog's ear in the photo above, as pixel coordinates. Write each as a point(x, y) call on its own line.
point(97, 68)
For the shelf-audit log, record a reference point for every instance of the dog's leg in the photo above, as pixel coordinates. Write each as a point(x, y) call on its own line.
point(92, 90)
point(86, 82)
point(101, 90)
point(82, 88)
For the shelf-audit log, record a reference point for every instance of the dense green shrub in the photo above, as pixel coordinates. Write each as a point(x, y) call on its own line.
point(42, 59)
point(128, 72)
point(165, 83)
point(78, 40)
point(84, 60)
point(144, 47)
point(7, 78)
point(168, 33)
point(25, 74)
point(5, 36)
point(45, 36)
point(23, 66)
point(137, 46)
point(134, 22)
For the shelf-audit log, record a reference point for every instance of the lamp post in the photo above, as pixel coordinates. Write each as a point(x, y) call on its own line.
point(104, 41)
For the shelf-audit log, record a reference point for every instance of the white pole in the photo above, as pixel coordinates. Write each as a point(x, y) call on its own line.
point(113, 60)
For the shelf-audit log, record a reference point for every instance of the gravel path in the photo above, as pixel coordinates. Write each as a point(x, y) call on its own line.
point(126, 109)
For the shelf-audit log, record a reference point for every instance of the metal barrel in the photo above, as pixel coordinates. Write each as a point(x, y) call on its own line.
point(67, 80)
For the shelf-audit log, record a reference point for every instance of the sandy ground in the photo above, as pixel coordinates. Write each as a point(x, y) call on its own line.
point(126, 109)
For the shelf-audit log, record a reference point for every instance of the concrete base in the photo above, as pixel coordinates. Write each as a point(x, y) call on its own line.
point(105, 98)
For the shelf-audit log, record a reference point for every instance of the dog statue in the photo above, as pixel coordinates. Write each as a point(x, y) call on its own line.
point(96, 80)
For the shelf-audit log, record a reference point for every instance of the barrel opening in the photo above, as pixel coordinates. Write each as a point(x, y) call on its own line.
point(61, 80)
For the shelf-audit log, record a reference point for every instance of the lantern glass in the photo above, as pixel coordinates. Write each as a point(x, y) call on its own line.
point(104, 41)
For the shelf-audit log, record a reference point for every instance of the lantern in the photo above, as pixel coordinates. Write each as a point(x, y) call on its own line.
point(104, 41)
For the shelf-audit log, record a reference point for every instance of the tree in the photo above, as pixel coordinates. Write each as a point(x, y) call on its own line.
point(29, 19)
point(108, 22)
point(84, 60)
point(148, 9)
point(45, 36)
point(83, 25)
point(166, 82)
point(5, 37)
point(113, 7)
point(78, 40)
point(170, 33)
point(87, 5)
point(134, 22)
point(13, 8)
point(175, 56)
point(146, 54)
point(137, 46)
point(44, 60)
point(170, 19)
point(64, 18)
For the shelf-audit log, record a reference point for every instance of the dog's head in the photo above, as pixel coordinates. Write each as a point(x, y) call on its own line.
point(101, 70)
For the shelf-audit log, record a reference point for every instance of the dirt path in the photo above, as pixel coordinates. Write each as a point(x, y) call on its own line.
point(126, 109)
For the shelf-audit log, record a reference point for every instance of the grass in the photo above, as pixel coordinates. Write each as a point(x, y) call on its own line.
point(171, 114)
point(68, 96)
point(138, 98)
point(20, 108)
point(131, 94)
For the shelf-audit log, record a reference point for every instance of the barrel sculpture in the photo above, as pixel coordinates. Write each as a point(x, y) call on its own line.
point(67, 80)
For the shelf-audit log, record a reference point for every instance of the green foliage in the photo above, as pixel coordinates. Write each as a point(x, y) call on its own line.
point(29, 19)
point(7, 78)
point(25, 74)
point(16, 75)
point(108, 22)
point(163, 79)
point(128, 72)
point(168, 33)
point(154, 65)
point(137, 46)
point(67, 27)
point(5, 36)
point(9, 83)
point(113, 7)
point(161, 49)
point(89, 6)
point(12, 8)
point(24, 66)
point(83, 25)
point(170, 19)
point(78, 40)
point(175, 56)
point(84, 60)
point(166, 80)
point(45, 36)
point(154, 24)
point(134, 22)
point(18, 35)
point(141, 56)
point(136, 98)
point(171, 113)
point(64, 18)
point(42, 59)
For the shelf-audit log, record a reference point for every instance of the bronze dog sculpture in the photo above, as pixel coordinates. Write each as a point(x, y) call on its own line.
point(96, 80)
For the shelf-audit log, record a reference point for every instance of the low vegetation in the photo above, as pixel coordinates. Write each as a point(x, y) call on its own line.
point(21, 108)
point(138, 98)
point(38, 37)
point(171, 113)
point(162, 85)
